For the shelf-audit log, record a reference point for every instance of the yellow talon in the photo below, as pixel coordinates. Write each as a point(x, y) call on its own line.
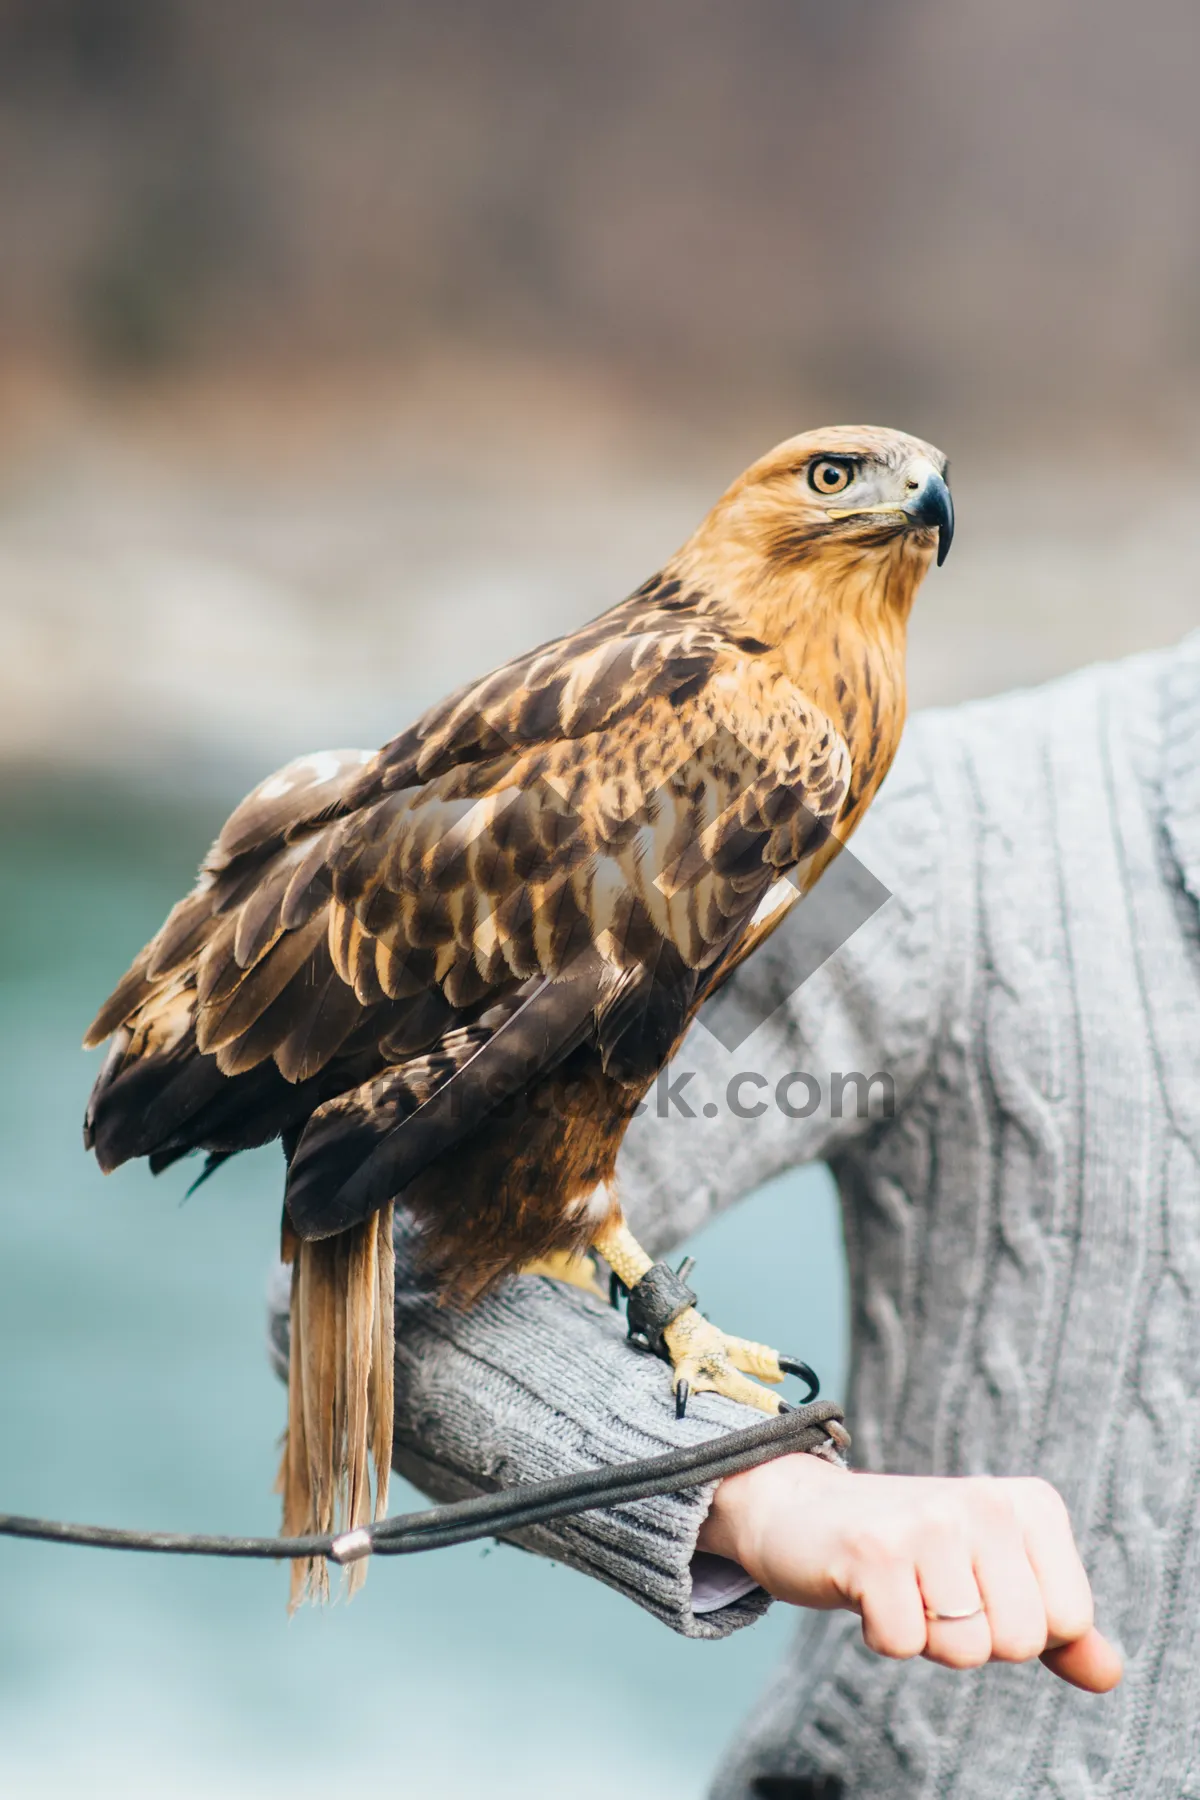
point(708, 1361)
point(565, 1265)
point(754, 1359)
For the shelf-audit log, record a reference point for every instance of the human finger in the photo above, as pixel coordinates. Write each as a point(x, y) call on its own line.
point(893, 1616)
point(958, 1634)
point(1076, 1651)
point(1008, 1583)
point(1089, 1662)
point(1050, 1547)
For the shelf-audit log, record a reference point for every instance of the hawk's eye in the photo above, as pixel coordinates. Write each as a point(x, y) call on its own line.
point(829, 476)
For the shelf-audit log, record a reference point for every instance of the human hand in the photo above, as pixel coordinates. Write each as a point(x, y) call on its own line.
point(889, 1547)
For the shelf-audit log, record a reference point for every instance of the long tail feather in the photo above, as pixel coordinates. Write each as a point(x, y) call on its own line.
point(381, 1397)
point(340, 1392)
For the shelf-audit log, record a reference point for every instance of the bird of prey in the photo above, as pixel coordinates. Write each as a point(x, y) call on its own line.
point(446, 973)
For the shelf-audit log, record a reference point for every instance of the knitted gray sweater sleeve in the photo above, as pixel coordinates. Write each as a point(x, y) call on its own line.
point(538, 1379)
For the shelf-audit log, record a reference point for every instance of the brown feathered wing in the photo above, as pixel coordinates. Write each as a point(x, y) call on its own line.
point(566, 852)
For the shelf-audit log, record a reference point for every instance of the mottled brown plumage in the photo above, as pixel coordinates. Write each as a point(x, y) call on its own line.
point(448, 972)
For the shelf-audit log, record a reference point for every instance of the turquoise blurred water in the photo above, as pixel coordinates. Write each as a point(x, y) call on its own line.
point(134, 1389)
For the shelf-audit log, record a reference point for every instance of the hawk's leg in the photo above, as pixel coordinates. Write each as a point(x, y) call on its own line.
point(704, 1358)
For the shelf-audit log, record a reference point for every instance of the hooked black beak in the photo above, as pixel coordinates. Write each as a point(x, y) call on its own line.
point(933, 509)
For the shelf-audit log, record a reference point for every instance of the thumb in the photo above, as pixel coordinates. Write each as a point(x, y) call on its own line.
point(1089, 1662)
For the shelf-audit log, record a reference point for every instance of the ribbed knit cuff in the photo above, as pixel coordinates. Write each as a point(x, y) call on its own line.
point(539, 1380)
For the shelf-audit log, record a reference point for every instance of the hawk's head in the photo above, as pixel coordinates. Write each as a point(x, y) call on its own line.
point(849, 495)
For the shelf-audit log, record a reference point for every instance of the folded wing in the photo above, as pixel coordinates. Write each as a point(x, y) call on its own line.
point(568, 850)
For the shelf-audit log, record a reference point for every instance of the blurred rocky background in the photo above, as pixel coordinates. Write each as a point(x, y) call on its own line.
point(346, 345)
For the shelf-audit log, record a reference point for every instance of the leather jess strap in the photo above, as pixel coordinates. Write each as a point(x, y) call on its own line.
point(816, 1428)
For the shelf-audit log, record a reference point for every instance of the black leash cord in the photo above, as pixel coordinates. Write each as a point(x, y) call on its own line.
point(489, 1515)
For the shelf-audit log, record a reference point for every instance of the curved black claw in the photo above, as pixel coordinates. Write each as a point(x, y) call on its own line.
point(681, 1399)
point(791, 1365)
point(616, 1290)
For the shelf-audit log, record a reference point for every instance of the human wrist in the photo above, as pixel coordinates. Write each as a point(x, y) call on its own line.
point(744, 1505)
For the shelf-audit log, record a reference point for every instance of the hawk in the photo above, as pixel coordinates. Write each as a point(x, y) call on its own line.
point(445, 973)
